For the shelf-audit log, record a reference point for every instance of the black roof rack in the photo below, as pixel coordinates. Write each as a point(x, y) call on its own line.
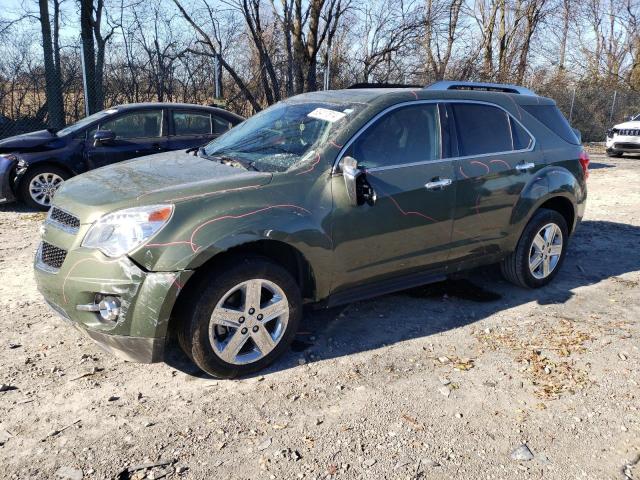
point(487, 87)
point(382, 85)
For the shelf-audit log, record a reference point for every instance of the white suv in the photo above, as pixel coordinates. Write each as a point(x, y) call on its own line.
point(624, 138)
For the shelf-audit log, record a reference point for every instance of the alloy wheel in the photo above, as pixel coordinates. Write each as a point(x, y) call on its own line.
point(43, 187)
point(545, 251)
point(249, 321)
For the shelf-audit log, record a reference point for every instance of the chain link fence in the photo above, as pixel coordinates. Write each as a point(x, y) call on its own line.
point(25, 107)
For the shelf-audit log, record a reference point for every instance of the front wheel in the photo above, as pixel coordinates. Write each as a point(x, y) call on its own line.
point(40, 184)
point(540, 251)
point(241, 317)
point(614, 154)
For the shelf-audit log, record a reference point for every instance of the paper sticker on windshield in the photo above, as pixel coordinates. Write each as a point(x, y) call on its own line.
point(326, 115)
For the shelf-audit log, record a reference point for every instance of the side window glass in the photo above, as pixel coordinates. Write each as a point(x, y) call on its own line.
point(221, 125)
point(521, 139)
point(144, 124)
point(405, 135)
point(191, 123)
point(481, 129)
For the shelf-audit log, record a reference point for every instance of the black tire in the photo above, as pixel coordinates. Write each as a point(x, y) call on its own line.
point(193, 333)
point(614, 154)
point(515, 267)
point(24, 187)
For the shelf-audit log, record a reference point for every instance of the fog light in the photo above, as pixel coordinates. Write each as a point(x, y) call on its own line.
point(109, 308)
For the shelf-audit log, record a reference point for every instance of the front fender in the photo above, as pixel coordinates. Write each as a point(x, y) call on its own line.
point(204, 227)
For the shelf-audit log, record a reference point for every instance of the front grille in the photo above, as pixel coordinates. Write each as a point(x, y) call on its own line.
point(629, 132)
point(52, 256)
point(61, 217)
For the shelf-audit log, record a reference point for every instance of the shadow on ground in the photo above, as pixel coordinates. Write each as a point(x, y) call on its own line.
point(599, 250)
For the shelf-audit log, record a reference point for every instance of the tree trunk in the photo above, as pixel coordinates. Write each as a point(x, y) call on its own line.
point(55, 103)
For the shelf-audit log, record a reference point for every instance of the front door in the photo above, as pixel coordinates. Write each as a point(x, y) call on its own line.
point(137, 134)
point(496, 161)
point(408, 228)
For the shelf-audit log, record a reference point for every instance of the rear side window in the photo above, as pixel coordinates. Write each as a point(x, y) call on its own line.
point(221, 125)
point(521, 139)
point(481, 129)
point(191, 123)
point(551, 117)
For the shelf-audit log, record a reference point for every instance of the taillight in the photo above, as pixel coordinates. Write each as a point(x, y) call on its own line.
point(584, 162)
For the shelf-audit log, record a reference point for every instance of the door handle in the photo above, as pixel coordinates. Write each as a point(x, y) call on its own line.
point(438, 183)
point(524, 166)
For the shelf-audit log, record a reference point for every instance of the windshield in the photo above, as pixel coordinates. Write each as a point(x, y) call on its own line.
point(84, 122)
point(282, 135)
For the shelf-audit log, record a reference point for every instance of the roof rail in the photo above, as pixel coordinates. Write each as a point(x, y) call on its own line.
point(489, 87)
point(381, 85)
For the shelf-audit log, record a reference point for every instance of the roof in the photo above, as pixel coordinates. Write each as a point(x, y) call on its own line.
point(132, 106)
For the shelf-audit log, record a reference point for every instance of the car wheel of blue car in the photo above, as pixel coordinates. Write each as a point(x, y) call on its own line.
point(40, 184)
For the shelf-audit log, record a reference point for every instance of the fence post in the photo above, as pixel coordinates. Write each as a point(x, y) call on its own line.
point(613, 105)
point(84, 80)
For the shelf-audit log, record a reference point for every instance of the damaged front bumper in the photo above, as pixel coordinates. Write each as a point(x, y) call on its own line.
point(146, 300)
point(7, 164)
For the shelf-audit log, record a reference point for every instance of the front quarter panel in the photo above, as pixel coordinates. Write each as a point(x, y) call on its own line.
point(293, 208)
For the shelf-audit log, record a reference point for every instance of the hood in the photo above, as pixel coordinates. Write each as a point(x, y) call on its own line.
point(164, 177)
point(634, 124)
point(26, 141)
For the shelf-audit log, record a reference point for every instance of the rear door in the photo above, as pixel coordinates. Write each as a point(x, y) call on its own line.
point(409, 226)
point(194, 128)
point(495, 162)
point(138, 133)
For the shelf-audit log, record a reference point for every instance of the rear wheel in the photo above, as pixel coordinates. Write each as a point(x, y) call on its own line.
point(614, 154)
point(40, 184)
point(241, 317)
point(540, 251)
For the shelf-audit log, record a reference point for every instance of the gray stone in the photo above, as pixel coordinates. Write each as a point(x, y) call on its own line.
point(522, 453)
point(69, 473)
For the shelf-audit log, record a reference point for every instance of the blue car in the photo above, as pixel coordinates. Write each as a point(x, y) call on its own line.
point(34, 165)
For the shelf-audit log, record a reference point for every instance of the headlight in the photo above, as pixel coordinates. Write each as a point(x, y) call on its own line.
point(120, 232)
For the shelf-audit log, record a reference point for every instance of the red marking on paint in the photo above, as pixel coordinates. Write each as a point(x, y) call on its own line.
point(313, 165)
point(404, 212)
point(227, 217)
point(503, 162)
point(463, 174)
point(207, 194)
point(476, 162)
point(176, 283)
point(334, 144)
point(415, 94)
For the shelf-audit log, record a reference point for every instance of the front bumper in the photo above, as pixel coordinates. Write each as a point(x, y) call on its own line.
point(620, 143)
point(147, 300)
point(6, 171)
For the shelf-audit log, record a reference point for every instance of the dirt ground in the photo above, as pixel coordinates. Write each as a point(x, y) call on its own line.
point(445, 381)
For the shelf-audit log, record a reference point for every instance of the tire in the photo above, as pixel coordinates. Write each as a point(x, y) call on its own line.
point(614, 154)
point(516, 267)
point(224, 290)
point(51, 178)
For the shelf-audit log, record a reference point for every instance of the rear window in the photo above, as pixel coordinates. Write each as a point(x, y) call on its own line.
point(551, 117)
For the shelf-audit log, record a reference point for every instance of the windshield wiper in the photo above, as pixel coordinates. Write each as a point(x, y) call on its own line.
point(227, 160)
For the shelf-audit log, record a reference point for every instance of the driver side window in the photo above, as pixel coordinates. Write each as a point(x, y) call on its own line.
point(144, 124)
point(405, 135)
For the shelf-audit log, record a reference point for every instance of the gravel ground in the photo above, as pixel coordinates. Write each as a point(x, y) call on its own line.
point(471, 378)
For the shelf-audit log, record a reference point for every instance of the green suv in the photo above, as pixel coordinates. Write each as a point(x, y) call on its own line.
point(324, 198)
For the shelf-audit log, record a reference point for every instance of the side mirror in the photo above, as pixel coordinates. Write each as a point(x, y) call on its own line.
point(102, 137)
point(578, 134)
point(351, 173)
